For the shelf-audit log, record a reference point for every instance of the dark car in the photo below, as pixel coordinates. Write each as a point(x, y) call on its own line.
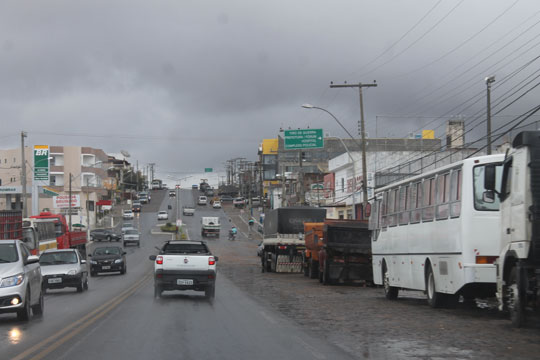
point(136, 206)
point(108, 259)
point(209, 192)
point(226, 198)
point(104, 234)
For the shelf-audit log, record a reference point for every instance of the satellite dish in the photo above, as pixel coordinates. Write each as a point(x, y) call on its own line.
point(125, 153)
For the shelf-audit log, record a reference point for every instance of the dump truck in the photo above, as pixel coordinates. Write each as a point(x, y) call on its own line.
point(345, 254)
point(283, 238)
point(313, 236)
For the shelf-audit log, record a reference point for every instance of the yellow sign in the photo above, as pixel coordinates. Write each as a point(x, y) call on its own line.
point(428, 134)
point(270, 146)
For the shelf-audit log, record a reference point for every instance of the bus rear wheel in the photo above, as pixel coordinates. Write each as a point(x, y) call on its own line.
point(390, 292)
point(434, 298)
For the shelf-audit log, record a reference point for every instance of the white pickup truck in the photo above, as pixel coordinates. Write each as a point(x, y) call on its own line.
point(184, 265)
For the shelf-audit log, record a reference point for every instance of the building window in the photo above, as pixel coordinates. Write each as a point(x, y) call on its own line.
point(53, 181)
point(349, 214)
point(340, 215)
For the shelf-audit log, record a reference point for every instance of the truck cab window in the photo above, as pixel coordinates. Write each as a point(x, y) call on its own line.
point(506, 185)
point(478, 183)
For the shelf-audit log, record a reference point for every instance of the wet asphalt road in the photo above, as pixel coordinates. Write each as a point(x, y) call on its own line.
point(119, 318)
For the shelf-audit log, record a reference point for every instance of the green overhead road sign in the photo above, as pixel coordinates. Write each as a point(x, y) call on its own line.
point(208, 169)
point(303, 139)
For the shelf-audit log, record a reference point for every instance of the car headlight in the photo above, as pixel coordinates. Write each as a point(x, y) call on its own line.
point(118, 261)
point(12, 280)
point(93, 262)
point(72, 272)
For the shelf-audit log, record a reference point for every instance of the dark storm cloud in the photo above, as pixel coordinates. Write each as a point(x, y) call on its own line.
point(197, 82)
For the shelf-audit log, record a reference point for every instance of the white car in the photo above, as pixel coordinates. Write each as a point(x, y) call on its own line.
point(128, 215)
point(20, 280)
point(216, 205)
point(202, 200)
point(162, 215)
point(126, 226)
point(63, 268)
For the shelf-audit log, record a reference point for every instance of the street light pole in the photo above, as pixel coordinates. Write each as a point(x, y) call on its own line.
point(489, 81)
point(308, 106)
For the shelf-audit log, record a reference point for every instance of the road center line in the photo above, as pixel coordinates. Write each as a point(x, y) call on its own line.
point(85, 321)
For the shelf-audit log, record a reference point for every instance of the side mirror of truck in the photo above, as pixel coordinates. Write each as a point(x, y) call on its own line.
point(152, 257)
point(216, 258)
point(489, 177)
point(169, 207)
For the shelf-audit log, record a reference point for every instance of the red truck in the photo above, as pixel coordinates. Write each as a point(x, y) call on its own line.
point(65, 238)
point(346, 252)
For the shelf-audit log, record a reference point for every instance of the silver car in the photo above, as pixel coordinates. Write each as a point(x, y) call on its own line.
point(63, 268)
point(20, 280)
point(131, 236)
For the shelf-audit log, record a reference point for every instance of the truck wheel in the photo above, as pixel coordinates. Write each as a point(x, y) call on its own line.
point(24, 313)
point(434, 298)
point(515, 300)
point(157, 291)
point(326, 274)
point(313, 266)
point(39, 307)
point(390, 292)
point(210, 291)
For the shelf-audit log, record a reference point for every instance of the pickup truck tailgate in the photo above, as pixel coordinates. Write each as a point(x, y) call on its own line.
point(185, 262)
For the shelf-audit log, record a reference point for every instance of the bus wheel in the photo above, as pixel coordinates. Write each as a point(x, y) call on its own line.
point(434, 298)
point(515, 301)
point(390, 292)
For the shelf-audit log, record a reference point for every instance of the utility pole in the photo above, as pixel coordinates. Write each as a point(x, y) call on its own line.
point(300, 181)
point(151, 172)
point(363, 133)
point(23, 176)
point(137, 186)
point(489, 81)
point(69, 202)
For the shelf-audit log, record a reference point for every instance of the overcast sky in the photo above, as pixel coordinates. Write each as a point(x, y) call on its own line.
point(189, 84)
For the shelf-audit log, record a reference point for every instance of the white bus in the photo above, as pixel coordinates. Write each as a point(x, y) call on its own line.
point(437, 232)
point(39, 234)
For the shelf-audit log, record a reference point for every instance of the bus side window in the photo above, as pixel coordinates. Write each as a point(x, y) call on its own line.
point(392, 207)
point(428, 190)
point(416, 202)
point(455, 193)
point(384, 209)
point(443, 190)
point(404, 205)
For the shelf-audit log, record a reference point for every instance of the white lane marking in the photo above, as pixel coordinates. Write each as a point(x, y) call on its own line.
point(310, 348)
point(268, 318)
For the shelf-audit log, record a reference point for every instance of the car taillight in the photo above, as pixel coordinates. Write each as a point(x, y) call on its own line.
point(159, 260)
point(486, 259)
point(282, 247)
point(211, 261)
point(211, 276)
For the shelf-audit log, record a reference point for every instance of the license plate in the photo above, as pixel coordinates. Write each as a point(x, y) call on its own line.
point(55, 280)
point(184, 282)
point(106, 267)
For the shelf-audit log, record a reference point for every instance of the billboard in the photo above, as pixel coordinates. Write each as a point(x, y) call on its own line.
point(62, 201)
point(41, 164)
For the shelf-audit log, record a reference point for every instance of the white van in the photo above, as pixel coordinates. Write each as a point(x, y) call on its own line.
point(202, 200)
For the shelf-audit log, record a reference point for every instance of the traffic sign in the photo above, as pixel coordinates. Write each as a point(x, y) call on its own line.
point(303, 139)
point(208, 169)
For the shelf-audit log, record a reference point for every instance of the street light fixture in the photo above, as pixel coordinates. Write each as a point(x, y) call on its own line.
point(364, 162)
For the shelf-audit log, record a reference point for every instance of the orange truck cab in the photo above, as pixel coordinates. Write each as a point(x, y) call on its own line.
point(313, 236)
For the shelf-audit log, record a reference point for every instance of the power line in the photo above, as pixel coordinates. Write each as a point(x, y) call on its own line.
point(416, 41)
point(398, 40)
